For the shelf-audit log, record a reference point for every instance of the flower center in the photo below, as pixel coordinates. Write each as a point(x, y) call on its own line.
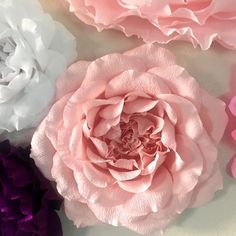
point(7, 47)
point(132, 144)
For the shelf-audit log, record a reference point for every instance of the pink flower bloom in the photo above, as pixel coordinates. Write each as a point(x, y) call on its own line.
point(232, 107)
point(231, 167)
point(131, 140)
point(197, 21)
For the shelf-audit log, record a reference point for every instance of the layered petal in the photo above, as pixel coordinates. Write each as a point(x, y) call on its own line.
point(200, 22)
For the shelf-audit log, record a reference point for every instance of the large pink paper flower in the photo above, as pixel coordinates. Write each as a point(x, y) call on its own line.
point(131, 140)
point(198, 21)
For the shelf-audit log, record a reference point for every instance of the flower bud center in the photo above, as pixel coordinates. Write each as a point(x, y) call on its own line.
point(7, 48)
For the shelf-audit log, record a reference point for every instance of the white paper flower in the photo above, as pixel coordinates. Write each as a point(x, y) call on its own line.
point(34, 51)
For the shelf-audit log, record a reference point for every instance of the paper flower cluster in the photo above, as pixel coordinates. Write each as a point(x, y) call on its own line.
point(34, 50)
point(128, 131)
point(129, 139)
point(197, 21)
point(27, 201)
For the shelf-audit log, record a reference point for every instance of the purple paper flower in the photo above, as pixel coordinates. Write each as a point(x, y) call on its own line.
point(27, 200)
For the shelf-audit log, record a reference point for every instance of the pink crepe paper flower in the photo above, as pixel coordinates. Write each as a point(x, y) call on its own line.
point(197, 21)
point(131, 140)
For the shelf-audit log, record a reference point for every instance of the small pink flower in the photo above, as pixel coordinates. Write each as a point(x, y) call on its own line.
point(197, 21)
point(131, 140)
point(231, 167)
point(232, 107)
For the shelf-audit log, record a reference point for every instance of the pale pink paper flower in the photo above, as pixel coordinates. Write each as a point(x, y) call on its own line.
point(197, 21)
point(131, 140)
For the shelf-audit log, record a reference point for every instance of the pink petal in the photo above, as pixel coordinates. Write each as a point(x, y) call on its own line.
point(64, 177)
point(155, 198)
point(99, 177)
point(112, 111)
point(132, 80)
point(94, 158)
point(54, 119)
point(42, 151)
point(103, 126)
point(112, 10)
point(110, 66)
point(174, 162)
point(110, 196)
point(204, 192)
point(231, 167)
point(180, 82)
point(125, 164)
point(185, 180)
point(80, 213)
point(210, 153)
point(232, 106)
point(153, 56)
point(153, 165)
point(124, 175)
point(72, 78)
point(100, 145)
point(73, 110)
point(233, 134)
point(170, 112)
point(144, 123)
point(168, 135)
point(141, 205)
point(138, 185)
point(214, 116)
point(189, 122)
point(139, 105)
point(199, 22)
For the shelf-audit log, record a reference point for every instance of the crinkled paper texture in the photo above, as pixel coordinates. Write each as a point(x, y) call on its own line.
point(131, 141)
point(198, 21)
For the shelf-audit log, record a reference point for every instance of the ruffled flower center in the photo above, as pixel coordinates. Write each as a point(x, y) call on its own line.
point(7, 48)
point(131, 144)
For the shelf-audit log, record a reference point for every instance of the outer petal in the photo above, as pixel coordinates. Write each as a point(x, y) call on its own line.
point(188, 120)
point(153, 56)
point(72, 78)
point(213, 116)
point(199, 22)
point(187, 178)
point(80, 214)
point(107, 67)
point(132, 80)
point(42, 151)
point(180, 82)
point(205, 191)
point(110, 196)
point(141, 204)
point(64, 177)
